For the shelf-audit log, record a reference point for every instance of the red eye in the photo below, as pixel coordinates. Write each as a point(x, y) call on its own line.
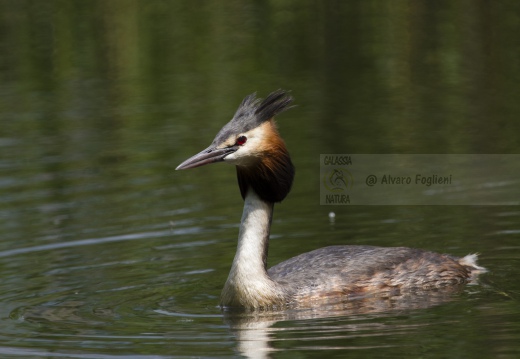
point(241, 140)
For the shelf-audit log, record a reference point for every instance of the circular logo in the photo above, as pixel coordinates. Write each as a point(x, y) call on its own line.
point(338, 180)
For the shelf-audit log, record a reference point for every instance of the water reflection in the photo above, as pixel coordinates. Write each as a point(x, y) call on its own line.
point(255, 331)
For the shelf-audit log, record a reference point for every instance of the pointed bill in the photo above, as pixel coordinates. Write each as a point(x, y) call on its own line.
point(207, 156)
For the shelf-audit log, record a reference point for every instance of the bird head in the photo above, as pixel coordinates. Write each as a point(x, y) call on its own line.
point(252, 143)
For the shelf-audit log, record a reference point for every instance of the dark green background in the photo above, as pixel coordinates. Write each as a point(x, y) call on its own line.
point(106, 250)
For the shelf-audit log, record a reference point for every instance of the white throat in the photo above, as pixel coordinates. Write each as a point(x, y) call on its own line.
point(248, 284)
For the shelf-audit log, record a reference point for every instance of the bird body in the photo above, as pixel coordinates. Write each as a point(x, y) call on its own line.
point(265, 174)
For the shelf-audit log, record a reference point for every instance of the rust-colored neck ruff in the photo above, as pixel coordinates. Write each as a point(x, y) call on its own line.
point(271, 176)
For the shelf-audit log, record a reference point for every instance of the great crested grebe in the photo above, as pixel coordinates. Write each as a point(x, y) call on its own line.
point(265, 173)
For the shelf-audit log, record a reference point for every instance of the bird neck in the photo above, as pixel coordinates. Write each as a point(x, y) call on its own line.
point(248, 284)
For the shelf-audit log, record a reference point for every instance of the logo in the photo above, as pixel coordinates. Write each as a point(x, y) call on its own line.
point(338, 180)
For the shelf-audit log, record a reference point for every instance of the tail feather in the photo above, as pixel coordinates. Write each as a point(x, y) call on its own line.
point(470, 261)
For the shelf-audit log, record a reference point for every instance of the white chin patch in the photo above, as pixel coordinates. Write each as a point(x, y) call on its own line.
point(232, 158)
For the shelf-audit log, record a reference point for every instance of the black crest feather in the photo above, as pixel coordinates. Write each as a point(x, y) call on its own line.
point(252, 112)
point(277, 102)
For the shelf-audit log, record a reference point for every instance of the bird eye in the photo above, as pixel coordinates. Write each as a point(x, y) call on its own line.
point(241, 140)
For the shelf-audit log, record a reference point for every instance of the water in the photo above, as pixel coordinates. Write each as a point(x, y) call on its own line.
point(107, 252)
